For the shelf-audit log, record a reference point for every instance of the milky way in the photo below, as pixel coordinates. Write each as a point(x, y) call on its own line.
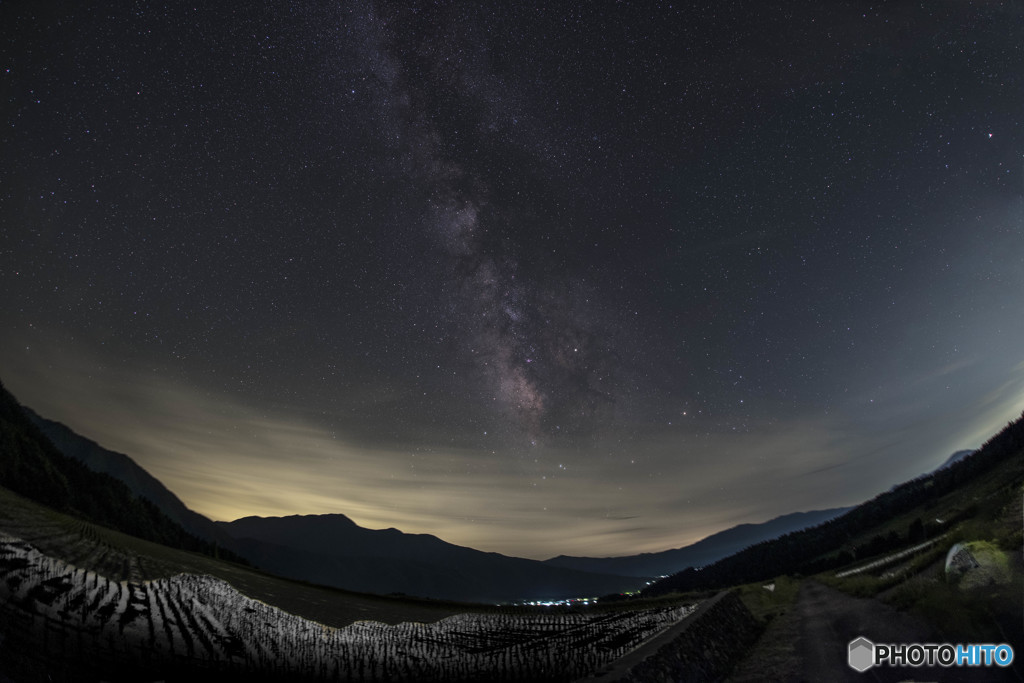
point(539, 349)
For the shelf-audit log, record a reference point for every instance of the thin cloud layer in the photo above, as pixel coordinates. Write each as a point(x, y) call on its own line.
point(227, 460)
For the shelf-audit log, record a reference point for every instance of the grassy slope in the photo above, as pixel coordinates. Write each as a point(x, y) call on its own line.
point(988, 506)
point(968, 610)
point(989, 509)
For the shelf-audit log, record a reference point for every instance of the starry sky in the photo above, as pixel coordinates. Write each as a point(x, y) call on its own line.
point(538, 278)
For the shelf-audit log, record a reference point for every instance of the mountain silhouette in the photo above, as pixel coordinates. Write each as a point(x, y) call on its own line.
point(120, 466)
point(31, 466)
point(703, 552)
point(334, 550)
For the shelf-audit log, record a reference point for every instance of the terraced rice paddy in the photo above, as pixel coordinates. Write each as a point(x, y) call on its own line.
point(188, 622)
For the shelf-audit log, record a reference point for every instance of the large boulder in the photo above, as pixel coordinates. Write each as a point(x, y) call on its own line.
point(976, 564)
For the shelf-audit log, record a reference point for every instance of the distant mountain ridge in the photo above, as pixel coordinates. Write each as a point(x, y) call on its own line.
point(703, 552)
point(955, 458)
point(353, 558)
point(334, 550)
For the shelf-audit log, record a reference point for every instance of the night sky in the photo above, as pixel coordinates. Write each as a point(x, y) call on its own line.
point(584, 278)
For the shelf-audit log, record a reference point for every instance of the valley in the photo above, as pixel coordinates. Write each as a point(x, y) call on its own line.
point(81, 600)
point(132, 606)
point(192, 623)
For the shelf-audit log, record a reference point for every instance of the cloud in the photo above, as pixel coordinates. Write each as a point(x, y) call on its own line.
point(227, 458)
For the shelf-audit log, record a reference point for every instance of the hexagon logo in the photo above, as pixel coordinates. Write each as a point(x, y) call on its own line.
point(862, 654)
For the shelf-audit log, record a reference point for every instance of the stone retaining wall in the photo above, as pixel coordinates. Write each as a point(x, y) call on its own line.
point(713, 641)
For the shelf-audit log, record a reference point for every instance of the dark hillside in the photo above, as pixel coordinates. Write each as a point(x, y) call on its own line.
point(32, 466)
point(121, 467)
point(822, 548)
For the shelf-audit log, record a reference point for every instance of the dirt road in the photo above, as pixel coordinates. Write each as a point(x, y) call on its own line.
point(815, 634)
